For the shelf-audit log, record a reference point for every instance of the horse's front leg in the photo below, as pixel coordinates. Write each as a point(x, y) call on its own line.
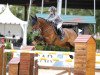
point(51, 47)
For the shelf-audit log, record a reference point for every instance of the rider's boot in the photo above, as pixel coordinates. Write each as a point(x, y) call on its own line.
point(60, 33)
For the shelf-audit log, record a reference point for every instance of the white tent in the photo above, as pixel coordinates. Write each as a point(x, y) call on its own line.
point(12, 24)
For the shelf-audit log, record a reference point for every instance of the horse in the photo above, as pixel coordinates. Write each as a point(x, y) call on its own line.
point(48, 32)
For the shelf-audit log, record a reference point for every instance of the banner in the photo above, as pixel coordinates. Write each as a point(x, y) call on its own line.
point(58, 59)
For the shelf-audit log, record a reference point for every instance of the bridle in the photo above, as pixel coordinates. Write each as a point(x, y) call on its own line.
point(41, 27)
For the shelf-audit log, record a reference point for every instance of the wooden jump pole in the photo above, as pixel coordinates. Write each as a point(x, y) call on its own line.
point(3, 58)
point(85, 51)
point(35, 65)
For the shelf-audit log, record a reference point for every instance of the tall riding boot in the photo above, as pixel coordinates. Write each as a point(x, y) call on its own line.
point(60, 33)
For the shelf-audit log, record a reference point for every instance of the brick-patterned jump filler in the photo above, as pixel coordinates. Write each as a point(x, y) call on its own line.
point(14, 66)
point(2, 61)
point(19, 66)
point(85, 50)
point(26, 62)
point(1, 56)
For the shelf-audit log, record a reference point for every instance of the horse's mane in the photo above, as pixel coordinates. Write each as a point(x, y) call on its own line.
point(50, 22)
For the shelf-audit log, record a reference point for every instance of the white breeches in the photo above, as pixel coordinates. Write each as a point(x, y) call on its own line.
point(59, 25)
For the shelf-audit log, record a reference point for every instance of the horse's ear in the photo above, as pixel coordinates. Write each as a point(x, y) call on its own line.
point(35, 17)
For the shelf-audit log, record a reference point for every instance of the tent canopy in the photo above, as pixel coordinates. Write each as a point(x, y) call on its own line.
point(73, 18)
point(8, 18)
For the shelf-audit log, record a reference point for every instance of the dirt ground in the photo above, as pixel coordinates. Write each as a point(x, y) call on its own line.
point(56, 72)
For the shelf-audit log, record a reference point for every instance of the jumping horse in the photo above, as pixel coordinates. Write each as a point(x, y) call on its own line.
point(48, 32)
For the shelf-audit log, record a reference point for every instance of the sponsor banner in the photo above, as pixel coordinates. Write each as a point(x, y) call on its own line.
point(58, 59)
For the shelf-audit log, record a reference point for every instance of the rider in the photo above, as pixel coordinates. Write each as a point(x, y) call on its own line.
point(53, 16)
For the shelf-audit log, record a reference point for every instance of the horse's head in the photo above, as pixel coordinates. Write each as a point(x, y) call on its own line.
point(35, 23)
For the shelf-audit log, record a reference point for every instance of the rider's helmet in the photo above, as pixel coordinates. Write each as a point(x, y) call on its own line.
point(52, 8)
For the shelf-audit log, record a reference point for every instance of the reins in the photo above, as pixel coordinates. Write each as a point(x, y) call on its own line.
point(46, 30)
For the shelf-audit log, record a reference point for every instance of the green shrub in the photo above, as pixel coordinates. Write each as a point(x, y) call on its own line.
point(98, 43)
point(39, 47)
point(57, 48)
point(48, 48)
point(9, 56)
point(29, 38)
point(7, 45)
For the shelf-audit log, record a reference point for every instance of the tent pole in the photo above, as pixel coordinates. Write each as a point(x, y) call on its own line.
point(4, 30)
point(94, 16)
point(59, 7)
point(25, 36)
point(65, 6)
point(94, 28)
point(25, 26)
point(29, 10)
point(94, 8)
point(42, 5)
